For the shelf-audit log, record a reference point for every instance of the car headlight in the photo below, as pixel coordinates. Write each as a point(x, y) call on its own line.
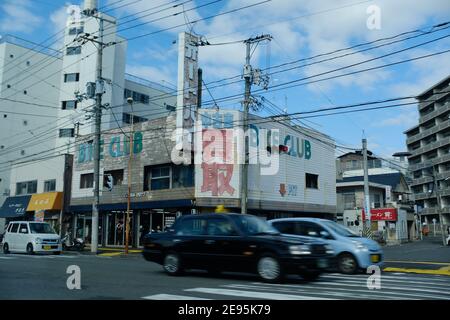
point(38, 240)
point(329, 249)
point(360, 246)
point(300, 249)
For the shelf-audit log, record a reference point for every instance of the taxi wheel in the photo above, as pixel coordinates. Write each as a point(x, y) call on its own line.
point(30, 249)
point(269, 268)
point(172, 264)
point(347, 263)
point(5, 248)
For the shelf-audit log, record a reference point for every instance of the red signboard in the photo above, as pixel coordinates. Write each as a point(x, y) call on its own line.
point(382, 214)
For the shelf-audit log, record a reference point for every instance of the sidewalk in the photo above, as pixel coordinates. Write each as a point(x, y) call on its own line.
point(427, 256)
point(109, 251)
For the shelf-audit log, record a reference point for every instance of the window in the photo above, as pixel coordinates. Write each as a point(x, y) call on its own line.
point(23, 228)
point(376, 200)
point(25, 122)
point(28, 63)
point(182, 176)
point(126, 118)
point(73, 31)
point(157, 178)
point(50, 185)
point(137, 97)
point(310, 229)
point(285, 227)
point(67, 133)
point(312, 181)
point(349, 201)
point(117, 177)
point(73, 50)
point(26, 187)
point(87, 181)
point(191, 226)
point(220, 227)
point(71, 77)
point(69, 105)
point(14, 227)
point(22, 152)
point(25, 92)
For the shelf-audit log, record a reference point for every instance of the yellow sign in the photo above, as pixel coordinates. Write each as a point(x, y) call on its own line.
point(221, 209)
point(45, 201)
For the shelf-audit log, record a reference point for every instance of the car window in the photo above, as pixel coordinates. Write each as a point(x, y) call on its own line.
point(191, 226)
point(14, 228)
point(220, 227)
point(253, 225)
point(23, 226)
point(310, 229)
point(8, 229)
point(286, 227)
point(41, 228)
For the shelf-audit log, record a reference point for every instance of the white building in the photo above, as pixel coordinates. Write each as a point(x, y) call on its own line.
point(37, 159)
point(28, 102)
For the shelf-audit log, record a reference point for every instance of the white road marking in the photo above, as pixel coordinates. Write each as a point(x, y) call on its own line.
point(7, 258)
point(255, 295)
point(171, 297)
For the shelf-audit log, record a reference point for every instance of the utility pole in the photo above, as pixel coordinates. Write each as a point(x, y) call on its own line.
point(249, 80)
point(366, 185)
point(439, 204)
point(91, 11)
point(130, 140)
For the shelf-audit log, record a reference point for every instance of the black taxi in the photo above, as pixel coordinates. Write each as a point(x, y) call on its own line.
point(235, 242)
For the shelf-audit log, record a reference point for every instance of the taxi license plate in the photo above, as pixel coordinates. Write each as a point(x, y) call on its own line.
point(47, 247)
point(322, 263)
point(375, 258)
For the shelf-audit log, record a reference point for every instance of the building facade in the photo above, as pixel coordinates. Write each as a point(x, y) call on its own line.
point(163, 186)
point(429, 145)
point(392, 210)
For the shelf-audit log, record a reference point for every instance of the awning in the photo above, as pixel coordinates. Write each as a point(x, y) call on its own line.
point(14, 206)
point(46, 201)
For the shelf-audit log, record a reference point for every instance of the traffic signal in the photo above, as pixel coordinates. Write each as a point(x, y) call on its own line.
point(283, 148)
point(109, 182)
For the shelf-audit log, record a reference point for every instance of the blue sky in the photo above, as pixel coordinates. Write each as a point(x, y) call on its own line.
point(300, 29)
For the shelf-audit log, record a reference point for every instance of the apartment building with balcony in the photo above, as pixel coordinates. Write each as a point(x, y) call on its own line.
point(429, 145)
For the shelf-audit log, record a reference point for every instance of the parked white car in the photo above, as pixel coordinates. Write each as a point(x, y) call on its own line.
point(31, 237)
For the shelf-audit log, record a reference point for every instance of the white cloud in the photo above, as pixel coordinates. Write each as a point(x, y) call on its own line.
point(19, 17)
point(152, 73)
point(403, 119)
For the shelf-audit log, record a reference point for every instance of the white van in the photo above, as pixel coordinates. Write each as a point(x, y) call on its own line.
point(31, 237)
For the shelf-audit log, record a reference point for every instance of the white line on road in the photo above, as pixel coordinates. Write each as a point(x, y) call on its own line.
point(383, 279)
point(353, 294)
point(6, 258)
point(255, 295)
point(172, 297)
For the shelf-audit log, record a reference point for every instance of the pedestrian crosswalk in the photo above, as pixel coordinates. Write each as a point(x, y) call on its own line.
point(329, 287)
point(15, 256)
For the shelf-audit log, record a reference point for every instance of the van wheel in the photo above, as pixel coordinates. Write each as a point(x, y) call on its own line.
point(347, 263)
point(172, 264)
point(30, 249)
point(269, 268)
point(5, 248)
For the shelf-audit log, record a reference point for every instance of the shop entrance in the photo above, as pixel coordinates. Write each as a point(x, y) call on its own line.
point(83, 228)
point(115, 228)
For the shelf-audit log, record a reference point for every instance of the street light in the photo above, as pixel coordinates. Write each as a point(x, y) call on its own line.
point(127, 219)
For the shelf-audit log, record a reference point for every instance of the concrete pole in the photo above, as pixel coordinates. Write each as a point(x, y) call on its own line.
point(130, 159)
point(248, 85)
point(366, 185)
point(98, 121)
point(439, 203)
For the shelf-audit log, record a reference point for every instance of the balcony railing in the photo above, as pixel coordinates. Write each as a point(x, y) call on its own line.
point(433, 98)
point(431, 146)
point(428, 132)
point(429, 163)
point(440, 110)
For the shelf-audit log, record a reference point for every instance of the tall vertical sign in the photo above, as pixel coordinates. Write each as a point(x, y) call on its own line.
point(187, 87)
